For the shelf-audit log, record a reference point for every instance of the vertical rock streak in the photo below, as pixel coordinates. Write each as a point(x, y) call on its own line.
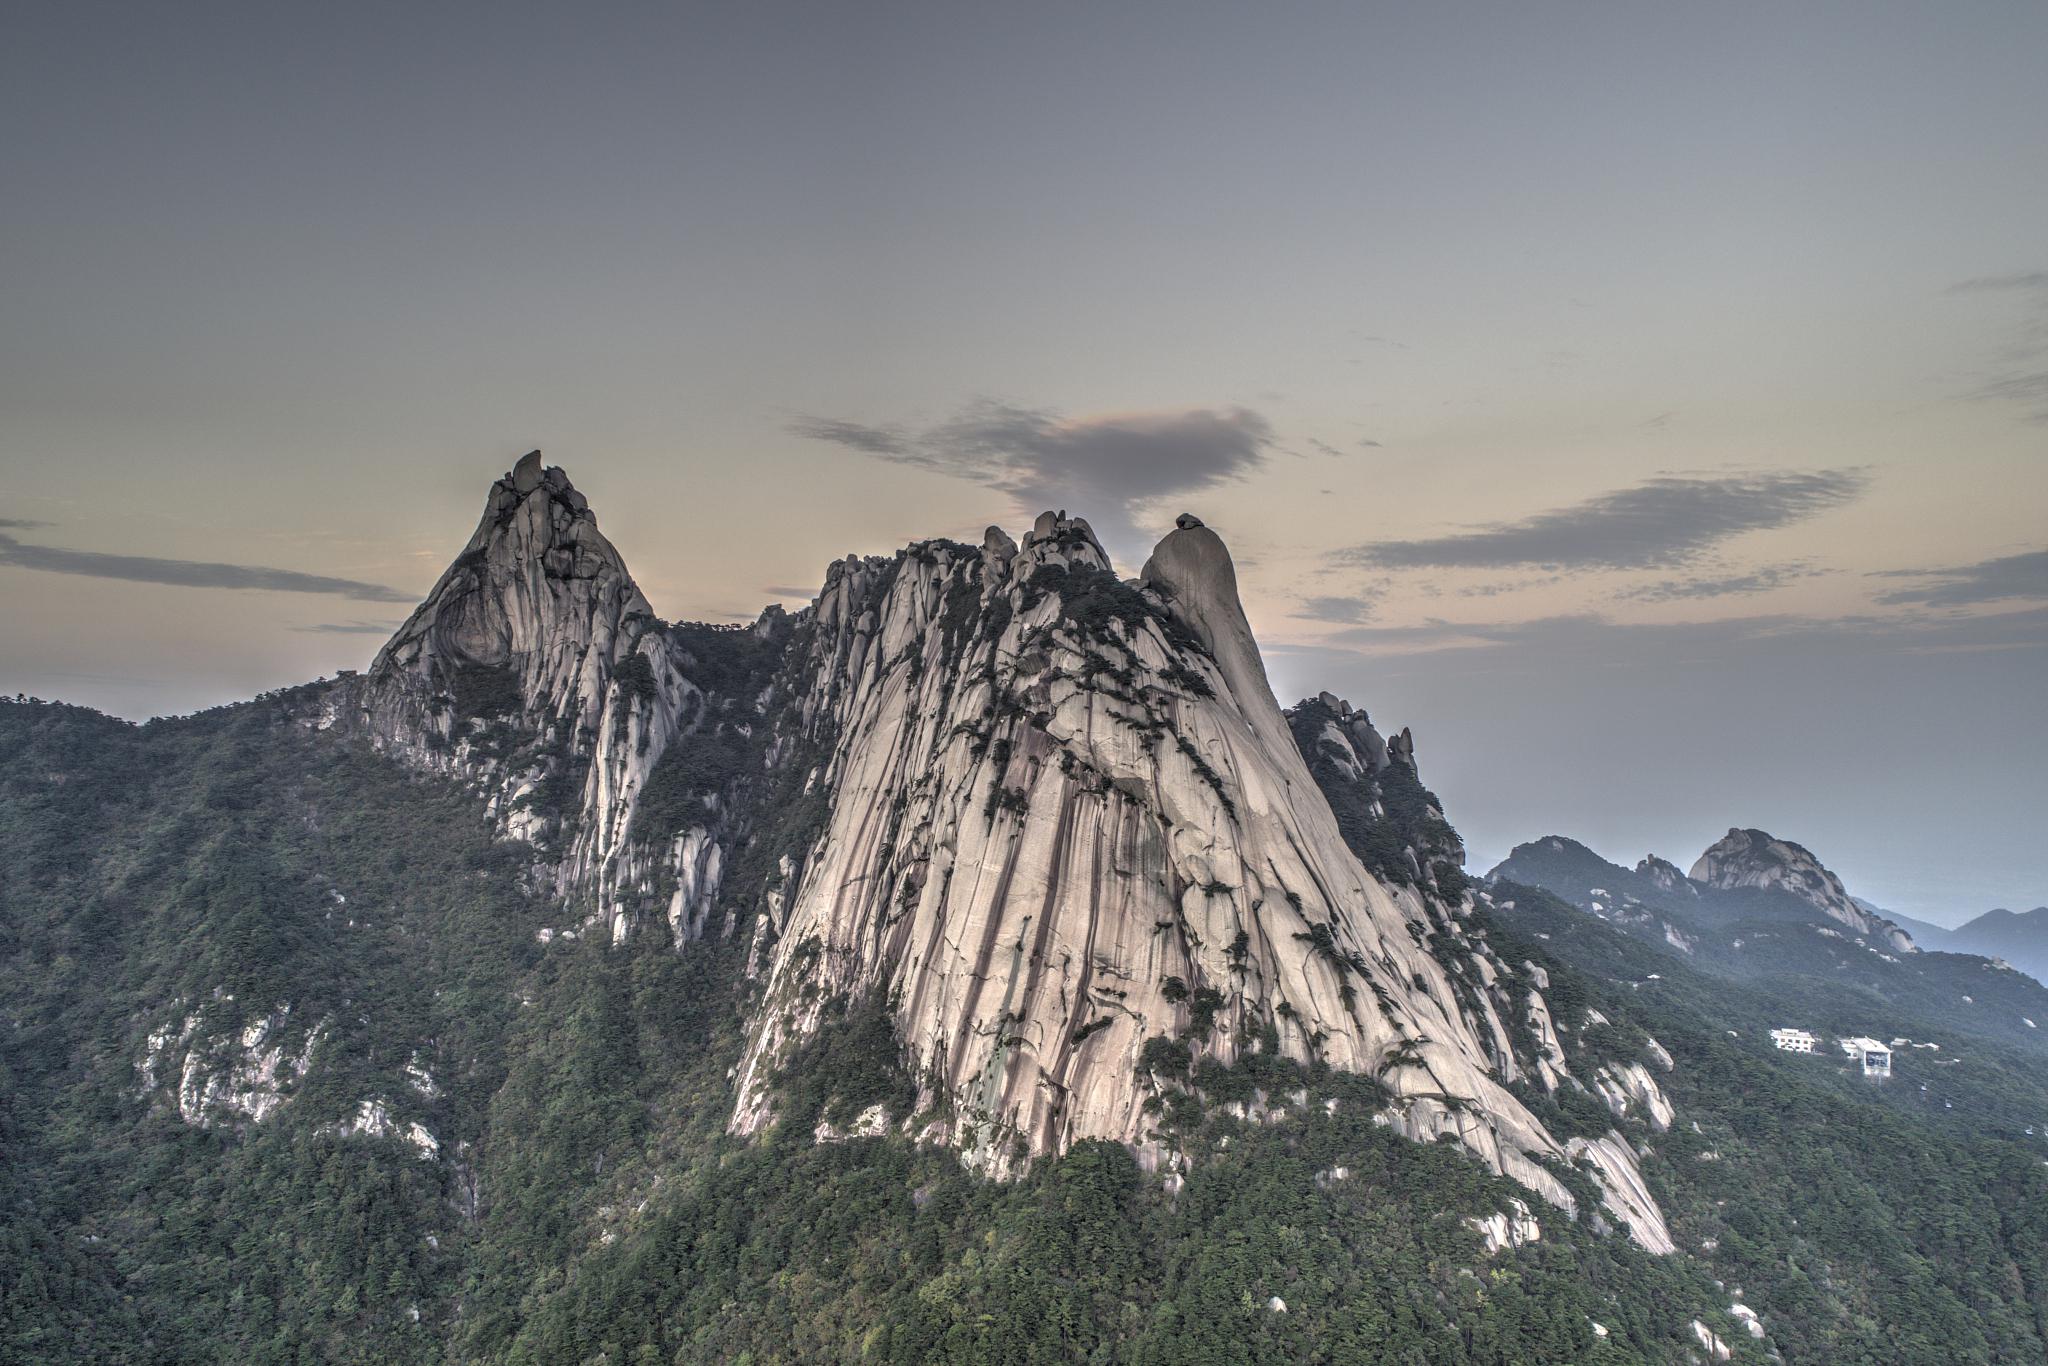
point(1079, 813)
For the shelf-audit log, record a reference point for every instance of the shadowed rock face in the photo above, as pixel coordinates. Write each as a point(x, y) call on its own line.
point(1060, 817)
point(1751, 858)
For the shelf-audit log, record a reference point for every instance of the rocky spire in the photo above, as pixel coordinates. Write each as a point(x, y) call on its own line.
point(538, 596)
point(499, 677)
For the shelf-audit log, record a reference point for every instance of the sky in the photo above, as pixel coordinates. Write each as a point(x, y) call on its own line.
point(1648, 405)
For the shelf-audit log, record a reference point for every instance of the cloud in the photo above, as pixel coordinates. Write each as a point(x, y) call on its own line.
point(1999, 580)
point(1499, 587)
point(1760, 580)
point(1663, 522)
point(2022, 281)
point(19, 524)
point(186, 573)
point(883, 441)
point(1591, 636)
point(1105, 468)
point(1325, 447)
point(2030, 390)
point(1370, 444)
point(805, 594)
point(2009, 380)
point(1345, 611)
point(351, 628)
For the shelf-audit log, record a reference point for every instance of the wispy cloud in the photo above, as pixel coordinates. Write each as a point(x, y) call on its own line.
point(1759, 580)
point(350, 628)
point(1661, 523)
point(1586, 636)
point(1346, 611)
point(2014, 375)
point(186, 573)
point(1106, 468)
point(2029, 389)
point(2021, 281)
point(1369, 444)
point(805, 594)
point(20, 524)
point(883, 441)
point(2004, 579)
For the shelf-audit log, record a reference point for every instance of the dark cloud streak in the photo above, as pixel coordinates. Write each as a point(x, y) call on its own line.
point(1104, 468)
point(186, 573)
point(1658, 524)
point(1760, 580)
point(1345, 611)
point(2001, 580)
point(2020, 282)
point(350, 628)
point(1586, 636)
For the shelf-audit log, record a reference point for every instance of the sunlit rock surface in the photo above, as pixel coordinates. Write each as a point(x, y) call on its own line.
point(1751, 858)
point(1069, 816)
point(1047, 815)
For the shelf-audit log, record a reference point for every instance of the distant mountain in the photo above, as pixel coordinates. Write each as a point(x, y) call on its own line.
point(2019, 937)
point(1752, 859)
point(1765, 909)
point(1926, 934)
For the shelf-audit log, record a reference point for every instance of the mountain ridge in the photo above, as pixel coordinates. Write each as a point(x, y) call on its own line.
point(1067, 727)
point(576, 985)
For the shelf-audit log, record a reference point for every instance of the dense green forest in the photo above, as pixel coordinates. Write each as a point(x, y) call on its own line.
point(547, 1178)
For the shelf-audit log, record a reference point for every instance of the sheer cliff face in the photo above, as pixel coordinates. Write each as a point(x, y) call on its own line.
point(501, 675)
point(1068, 819)
point(1054, 820)
point(1751, 858)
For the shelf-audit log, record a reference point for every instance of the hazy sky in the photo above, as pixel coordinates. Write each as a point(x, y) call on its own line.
point(1648, 404)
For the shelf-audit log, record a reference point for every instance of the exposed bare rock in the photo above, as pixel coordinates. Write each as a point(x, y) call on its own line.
point(1051, 817)
point(1623, 1192)
point(1630, 1089)
point(1664, 874)
point(1751, 858)
point(501, 676)
point(1510, 1228)
point(372, 1119)
point(1074, 826)
point(1711, 1341)
point(227, 1079)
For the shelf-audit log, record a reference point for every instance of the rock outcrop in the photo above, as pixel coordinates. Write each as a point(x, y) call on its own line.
point(1052, 820)
point(1663, 874)
point(1391, 821)
point(1075, 845)
point(1753, 859)
point(501, 676)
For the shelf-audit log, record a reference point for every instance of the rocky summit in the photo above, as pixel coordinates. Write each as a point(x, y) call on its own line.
point(1054, 817)
point(1753, 859)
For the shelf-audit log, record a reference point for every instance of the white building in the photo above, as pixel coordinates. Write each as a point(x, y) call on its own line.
point(1875, 1057)
point(1793, 1040)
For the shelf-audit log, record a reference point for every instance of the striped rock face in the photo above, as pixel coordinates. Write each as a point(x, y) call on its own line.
point(1069, 818)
